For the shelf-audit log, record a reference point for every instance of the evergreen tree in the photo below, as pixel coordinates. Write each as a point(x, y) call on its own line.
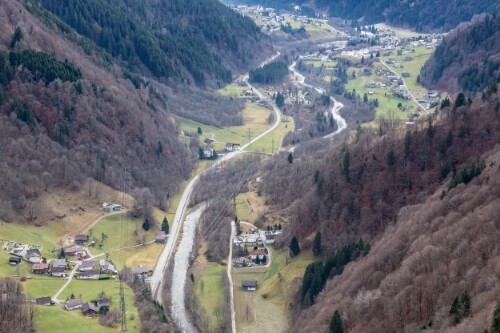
point(18, 35)
point(460, 100)
point(280, 100)
point(465, 300)
point(62, 254)
point(336, 325)
point(164, 225)
point(294, 247)
point(495, 325)
point(290, 158)
point(346, 162)
point(317, 244)
point(146, 225)
point(200, 131)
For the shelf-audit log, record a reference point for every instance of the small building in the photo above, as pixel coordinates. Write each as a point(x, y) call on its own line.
point(41, 268)
point(104, 302)
point(107, 267)
point(57, 271)
point(75, 251)
point(44, 300)
point(405, 74)
point(90, 309)
point(140, 271)
point(231, 146)
point(161, 236)
point(81, 239)
point(110, 207)
point(249, 285)
point(73, 304)
point(87, 265)
point(33, 256)
point(58, 263)
point(270, 238)
point(92, 274)
point(258, 254)
point(208, 153)
point(14, 261)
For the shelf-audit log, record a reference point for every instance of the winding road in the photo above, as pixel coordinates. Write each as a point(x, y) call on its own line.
point(337, 106)
point(159, 271)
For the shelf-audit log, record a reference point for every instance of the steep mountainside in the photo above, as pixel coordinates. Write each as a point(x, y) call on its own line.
point(468, 59)
point(199, 41)
point(69, 110)
point(422, 15)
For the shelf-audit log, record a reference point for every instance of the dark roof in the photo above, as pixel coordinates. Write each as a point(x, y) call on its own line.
point(81, 238)
point(71, 303)
point(40, 266)
point(88, 273)
point(270, 236)
point(43, 300)
point(58, 263)
point(90, 306)
point(104, 302)
point(31, 252)
point(87, 263)
point(140, 270)
point(249, 284)
point(16, 259)
point(57, 269)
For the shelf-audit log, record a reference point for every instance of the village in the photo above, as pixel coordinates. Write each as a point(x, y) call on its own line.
point(73, 260)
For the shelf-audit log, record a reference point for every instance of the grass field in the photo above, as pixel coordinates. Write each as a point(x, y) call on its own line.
point(209, 289)
point(267, 309)
point(387, 102)
point(50, 319)
point(243, 209)
point(413, 67)
point(273, 139)
point(232, 90)
point(318, 64)
point(255, 122)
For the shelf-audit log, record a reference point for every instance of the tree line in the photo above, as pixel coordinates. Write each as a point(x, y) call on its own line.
point(273, 72)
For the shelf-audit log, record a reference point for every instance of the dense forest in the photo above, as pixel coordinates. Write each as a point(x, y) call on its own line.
point(271, 73)
point(426, 15)
point(168, 38)
point(468, 59)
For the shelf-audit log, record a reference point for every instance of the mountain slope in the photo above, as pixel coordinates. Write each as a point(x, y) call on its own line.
point(468, 59)
point(421, 15)
point(58, 132)
point(171, 39)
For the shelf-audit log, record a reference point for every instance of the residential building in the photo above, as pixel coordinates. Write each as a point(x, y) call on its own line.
point(81, 239)
point(14, 260)
point(140, 271)
point(92, 274)
point(87, 265)
point(44, 300)
point(161, 237)
point(249, 285)
point(90, 309)
point(57, 271)
point(58, 263)
point(33, 256)
point(41, 268)
point(73, 304)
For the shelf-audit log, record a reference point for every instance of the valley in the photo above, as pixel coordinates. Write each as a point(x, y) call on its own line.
point(210, 167)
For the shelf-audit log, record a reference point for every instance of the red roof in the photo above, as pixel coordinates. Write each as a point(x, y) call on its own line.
point(40, 266)
point(258, 252)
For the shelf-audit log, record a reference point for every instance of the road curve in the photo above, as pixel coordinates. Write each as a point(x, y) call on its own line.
point(337, 106)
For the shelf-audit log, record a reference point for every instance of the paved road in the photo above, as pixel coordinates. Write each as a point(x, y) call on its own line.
point(158, 273)
point(230, 278)
point(337, 106)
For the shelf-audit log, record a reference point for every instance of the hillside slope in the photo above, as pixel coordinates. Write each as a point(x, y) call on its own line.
point(200, 41)
point(58, 131)
point(436, 251)
point(468, 59)
point(421, 15)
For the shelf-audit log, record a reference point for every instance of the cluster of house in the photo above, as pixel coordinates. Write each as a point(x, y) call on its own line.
point(209, 151)
point(252, 243)
point(111, 207)
point(92, 269)
point(100, 306)
point(430, 100)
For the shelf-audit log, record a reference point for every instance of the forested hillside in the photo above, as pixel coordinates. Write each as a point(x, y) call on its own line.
point(468, 59)
point(358, 191)
point(424, 15)
point(189, 40)
point(64, 118)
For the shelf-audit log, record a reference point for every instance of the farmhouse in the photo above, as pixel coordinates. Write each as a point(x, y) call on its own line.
point(58, 263)
point(75, 251)
point(140, 271)
point(33, 256)
point(258, 254)
point(90, 309)
point(249, 285)
point(14, 260)
point(86, 265)
point(161, 236)
point(73, 304)
point(44, 300)
point(81, 239)
point(41, 268)
point(92, 274)
point(57, 271)
point(270, 238)
point(231, 146)
point(106, 267)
